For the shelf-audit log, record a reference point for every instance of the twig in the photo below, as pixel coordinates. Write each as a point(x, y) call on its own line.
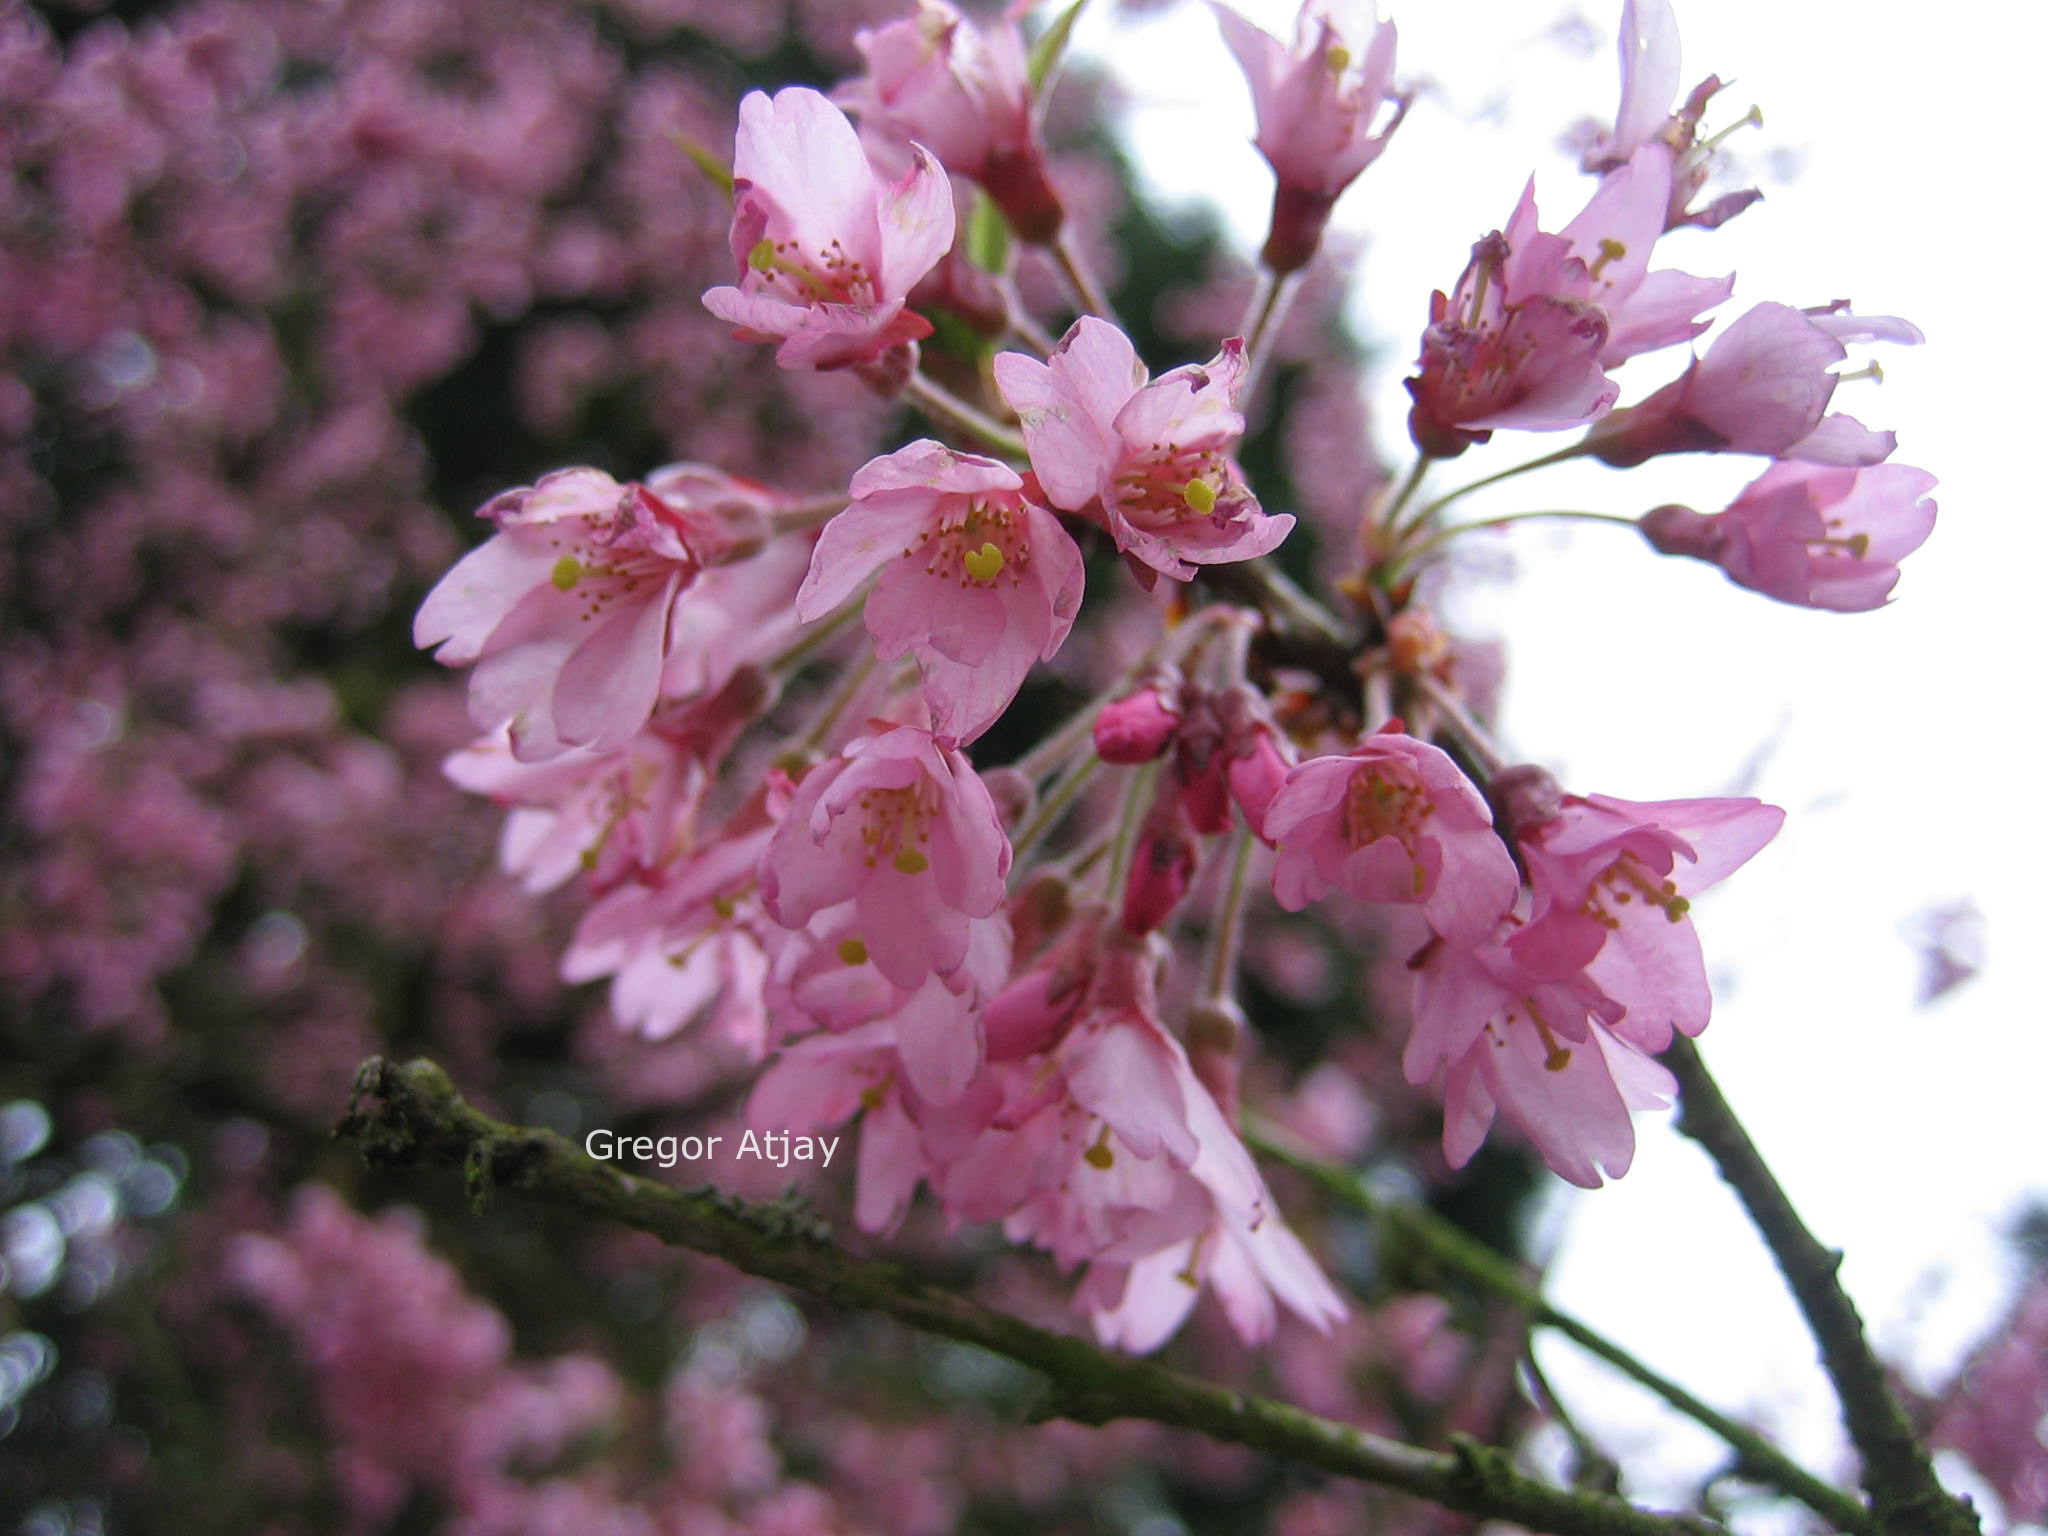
point(947, 408)
point(1905, 1496)
point(1755, 1457)
point(412, 1113)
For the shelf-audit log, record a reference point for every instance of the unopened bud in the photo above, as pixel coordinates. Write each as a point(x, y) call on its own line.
point(1527, 797)
point(1135, 728)
point(1675, 530)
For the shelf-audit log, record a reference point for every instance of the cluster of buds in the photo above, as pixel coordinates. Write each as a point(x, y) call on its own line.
point(1026, 990)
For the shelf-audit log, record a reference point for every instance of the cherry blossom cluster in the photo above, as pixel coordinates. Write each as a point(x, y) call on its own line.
point(1022, 977)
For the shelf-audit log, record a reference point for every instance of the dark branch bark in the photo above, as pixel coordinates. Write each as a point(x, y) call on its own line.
point(1429, 1234)
point(1906, 1498)
point(412, 1113)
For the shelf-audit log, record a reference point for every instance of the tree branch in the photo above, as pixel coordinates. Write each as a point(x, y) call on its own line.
point(1426, 1232)
point(1906, 1498)
point(412, 1113)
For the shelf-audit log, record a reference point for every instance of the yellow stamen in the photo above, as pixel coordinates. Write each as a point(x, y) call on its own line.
point(1610, 250)
point(985, 563)
point(1099, 1155)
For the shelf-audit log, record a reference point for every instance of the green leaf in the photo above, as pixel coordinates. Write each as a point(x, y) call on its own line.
point(988, 234)
point(1051, 46)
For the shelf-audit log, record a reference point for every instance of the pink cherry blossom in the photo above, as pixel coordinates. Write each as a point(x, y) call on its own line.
point(1603, 257)
point(566, 610)
point(826, 251)
point(824, 1081)
point(1103, 1147)
point(1538, 1049)
point(1494, 358)
point(1150, 460)
point(1763, 386)
point(961, 89)
point(977, 582)
point(1393, 821)
point(1808, 534)
point(610, 815)
point(1318, 104)
point(900, 826)
point(1613, 882)
point(1649, 84)
point(686, 940)
point(824, 978)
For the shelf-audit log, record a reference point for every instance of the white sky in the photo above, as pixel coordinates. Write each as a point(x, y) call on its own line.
point(1900, 162)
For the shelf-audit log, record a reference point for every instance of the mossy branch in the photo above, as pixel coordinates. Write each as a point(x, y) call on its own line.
point(1423, 1232)
point(411, 1113)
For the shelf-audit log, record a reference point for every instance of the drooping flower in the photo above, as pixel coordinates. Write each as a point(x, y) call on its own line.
point(686, 938)
point(961, 89)
point(977, 581)
point(825, 979)
point(609, 815)
point(567, 610)
point(1613, 882)
point(1150, 460)
point(826, 250)
point(1763, 386)
point(1091, 1136)
point(1319, 106)
point(1540, 1048)
point(1808, 534)
point(1393, 821)
point(902, 827)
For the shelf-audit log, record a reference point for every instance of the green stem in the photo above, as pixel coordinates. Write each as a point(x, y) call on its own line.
point(1080, 281)
point(815, 636)
point(1441, 536)
point(1052, 808)
point(847, 691)
point(1431, 509)
point(1226, 938)
point(1425, 1232)
point(1136, 793)
point(1390, 514)
point(411, 1114)
point(1905, 1495)
point(943, 406)
point(1476, 738)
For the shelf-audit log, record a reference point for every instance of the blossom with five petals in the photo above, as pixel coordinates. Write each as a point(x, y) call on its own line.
point(901, 826)
point(567, 610)
point(977, 581)
point(1392, 821)
point(1147, 458)
point(826, 250)
point(1613, 882)
point(1541, 1049)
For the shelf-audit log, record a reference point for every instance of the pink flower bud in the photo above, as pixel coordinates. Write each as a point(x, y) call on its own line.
point(1135, 728)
